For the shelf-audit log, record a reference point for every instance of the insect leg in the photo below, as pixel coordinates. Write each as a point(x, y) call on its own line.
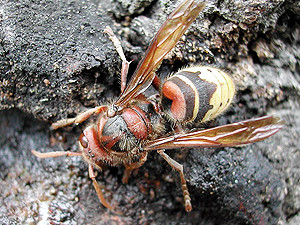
point(55, 154)
point(156, 83)
point(153, 100)
point(118, 46)
point(179, 168)
point(98, 189)
point(130, 167)
point(79, 118)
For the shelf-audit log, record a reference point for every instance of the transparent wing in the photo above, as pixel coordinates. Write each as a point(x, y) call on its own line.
point(165, 39)
point(234, 134)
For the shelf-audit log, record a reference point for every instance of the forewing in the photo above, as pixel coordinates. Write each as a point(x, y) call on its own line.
point(234, 134)
point(165, 39)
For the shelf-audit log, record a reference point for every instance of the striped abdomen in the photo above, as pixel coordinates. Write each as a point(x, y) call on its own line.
point(197, 94)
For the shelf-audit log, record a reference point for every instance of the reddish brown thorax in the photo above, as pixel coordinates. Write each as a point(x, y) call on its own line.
point(114, 137)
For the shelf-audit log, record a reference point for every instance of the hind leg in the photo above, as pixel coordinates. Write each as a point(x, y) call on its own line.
point(179, 168)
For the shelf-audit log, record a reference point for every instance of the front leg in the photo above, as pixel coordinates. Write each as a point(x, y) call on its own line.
point(179, 168)
point(98, 189)
point(79, 118)
point(55, 154)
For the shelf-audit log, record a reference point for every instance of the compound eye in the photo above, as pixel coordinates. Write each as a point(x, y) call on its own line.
point(83, 141)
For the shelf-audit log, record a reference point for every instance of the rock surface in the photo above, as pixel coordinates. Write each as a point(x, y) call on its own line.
point(55, 62)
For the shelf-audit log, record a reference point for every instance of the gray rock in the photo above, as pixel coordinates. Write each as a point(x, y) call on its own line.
point(55, 62)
